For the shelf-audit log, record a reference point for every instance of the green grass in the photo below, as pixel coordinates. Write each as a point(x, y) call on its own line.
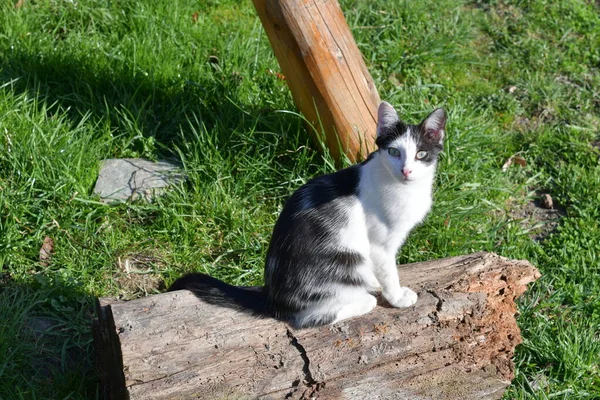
point(84, 81)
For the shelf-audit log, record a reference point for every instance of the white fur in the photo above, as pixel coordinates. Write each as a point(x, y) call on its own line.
point(393, 206)
point(420, 172)
point(389, 207)
point(354, 237)
point(349, 301)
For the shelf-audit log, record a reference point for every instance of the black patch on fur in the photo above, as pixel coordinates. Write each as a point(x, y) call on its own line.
point(432, 146)
point(301, 263)
point(390, 133)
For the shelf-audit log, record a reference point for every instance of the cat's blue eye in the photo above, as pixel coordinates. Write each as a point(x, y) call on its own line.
point(394, 152)
point(421, 155)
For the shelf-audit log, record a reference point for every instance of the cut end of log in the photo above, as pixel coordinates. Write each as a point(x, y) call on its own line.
point(456, 342)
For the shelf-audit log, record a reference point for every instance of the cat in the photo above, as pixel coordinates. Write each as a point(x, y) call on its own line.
point(334, 244)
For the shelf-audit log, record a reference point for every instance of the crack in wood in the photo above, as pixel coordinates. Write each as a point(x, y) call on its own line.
point(313, 386)
point(440, 300)
point(308, 378)
point(434, 315)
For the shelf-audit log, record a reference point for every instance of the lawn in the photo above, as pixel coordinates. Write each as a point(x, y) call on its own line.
point(81, 81)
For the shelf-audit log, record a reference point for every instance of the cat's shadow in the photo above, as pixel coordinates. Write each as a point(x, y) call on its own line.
point(220, 294)
point(381, 302)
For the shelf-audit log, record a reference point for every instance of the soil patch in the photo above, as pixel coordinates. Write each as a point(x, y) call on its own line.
point(540, 220)
point(139, 275)
point(4, 279)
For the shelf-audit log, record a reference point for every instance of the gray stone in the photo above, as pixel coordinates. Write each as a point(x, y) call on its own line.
point(127, 179)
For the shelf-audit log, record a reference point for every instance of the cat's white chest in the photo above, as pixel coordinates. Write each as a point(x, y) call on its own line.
point(412, 206)
point(394, 214)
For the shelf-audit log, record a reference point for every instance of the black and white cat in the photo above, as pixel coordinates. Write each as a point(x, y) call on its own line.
point(335, 242)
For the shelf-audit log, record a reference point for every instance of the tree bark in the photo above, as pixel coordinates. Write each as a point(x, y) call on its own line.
point(325, 72)
point(456, 342)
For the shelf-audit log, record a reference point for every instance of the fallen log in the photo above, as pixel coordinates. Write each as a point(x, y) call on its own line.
point(456, 342)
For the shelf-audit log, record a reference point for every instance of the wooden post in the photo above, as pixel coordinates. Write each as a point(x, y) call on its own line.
point(324, 69)
point(455, 343)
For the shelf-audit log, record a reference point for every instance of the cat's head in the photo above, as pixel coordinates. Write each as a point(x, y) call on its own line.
point(409, 152)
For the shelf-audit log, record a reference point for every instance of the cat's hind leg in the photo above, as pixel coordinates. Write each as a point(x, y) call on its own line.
point(349, 302)
point(359, 305)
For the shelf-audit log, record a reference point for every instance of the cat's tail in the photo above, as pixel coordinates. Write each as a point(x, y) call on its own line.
point(251, 300)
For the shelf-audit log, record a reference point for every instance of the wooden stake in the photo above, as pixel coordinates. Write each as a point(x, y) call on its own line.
point(325, 71)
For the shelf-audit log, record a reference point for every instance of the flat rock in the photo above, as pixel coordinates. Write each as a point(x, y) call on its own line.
point(127, 179)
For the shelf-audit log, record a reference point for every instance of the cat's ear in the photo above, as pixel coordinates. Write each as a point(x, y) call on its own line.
point(434, 125)
point(386, 117)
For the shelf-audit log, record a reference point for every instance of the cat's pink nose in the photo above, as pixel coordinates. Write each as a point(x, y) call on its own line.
point(406, 172)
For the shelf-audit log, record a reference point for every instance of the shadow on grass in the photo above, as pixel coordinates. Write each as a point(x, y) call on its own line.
point(46, 341)
point(149, 114)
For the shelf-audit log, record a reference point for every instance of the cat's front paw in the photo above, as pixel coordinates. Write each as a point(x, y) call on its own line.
point(404, 297)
